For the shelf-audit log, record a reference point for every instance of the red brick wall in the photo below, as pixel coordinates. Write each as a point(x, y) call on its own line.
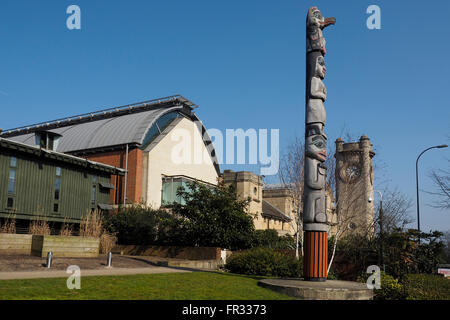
point(134, 177)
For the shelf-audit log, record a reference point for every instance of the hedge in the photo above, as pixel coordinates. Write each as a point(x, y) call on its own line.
point(426, 287)
point(391, 289)
point(264, 262)
point(413, 287)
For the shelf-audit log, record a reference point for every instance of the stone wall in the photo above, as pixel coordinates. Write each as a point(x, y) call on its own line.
point(248, 185)
point(15, 243)
point(69, 247)
point(186, 253)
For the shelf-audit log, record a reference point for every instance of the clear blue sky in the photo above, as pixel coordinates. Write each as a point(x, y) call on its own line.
point(243, 63)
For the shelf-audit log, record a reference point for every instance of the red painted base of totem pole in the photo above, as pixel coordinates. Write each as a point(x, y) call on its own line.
point(315, 260)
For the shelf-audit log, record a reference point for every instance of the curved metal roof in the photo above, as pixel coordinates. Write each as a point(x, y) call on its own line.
point(125, 129)
point(108, 128)
point(37, 152)
point(111, 127)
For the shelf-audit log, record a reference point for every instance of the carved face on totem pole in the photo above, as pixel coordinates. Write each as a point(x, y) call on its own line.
point(312, 130)
point(315, 23)
point(315, 18)
point(316, 147)
point(320, 70)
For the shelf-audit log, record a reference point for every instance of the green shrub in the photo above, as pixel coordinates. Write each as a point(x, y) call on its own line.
point(264, 262)
point(269, 238)
point(391, 289)
point(332, 275)
point(213, 217)
point(426, 287)
point(140, 225)
point(414, 287)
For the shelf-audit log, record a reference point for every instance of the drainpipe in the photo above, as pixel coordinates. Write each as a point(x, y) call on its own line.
point(126, 174)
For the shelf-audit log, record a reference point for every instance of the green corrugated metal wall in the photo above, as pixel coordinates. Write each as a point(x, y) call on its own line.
point(34, 192)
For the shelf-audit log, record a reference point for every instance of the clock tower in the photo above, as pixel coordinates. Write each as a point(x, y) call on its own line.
point(354, 186)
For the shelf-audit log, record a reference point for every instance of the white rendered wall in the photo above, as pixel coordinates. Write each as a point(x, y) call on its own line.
point(178, 153)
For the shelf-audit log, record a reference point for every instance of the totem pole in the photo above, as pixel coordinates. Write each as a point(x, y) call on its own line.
point(315, 224)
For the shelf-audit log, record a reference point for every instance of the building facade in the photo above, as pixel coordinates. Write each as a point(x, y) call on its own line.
point(265, 212)
point(354, 186)
point(37, 182)
point(152, 141)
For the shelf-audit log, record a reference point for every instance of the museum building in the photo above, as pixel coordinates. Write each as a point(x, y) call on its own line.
point(127, 153)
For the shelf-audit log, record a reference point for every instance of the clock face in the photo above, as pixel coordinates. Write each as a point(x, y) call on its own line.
point(351, 172)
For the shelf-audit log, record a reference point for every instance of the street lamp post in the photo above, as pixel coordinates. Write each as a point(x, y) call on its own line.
point(417, 182)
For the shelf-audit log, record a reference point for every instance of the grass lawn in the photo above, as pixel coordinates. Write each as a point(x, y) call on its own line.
point(173, 286)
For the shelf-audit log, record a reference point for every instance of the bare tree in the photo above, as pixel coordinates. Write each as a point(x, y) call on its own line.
point(347, 219)
point(291, 176)
point(396, 206)
point(441, 180)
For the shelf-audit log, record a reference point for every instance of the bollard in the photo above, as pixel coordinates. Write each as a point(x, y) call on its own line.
point(109, 263)
point(49, 259)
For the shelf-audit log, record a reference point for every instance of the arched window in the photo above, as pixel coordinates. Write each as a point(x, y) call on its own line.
point(158, 127)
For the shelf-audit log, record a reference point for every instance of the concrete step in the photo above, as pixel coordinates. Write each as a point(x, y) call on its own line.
point(193, 264)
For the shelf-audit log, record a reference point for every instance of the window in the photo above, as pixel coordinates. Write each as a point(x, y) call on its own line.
point(94, 194)
point(159, 127)
point(57, 184)
point(57, 188)
point(13, 162)
point(169, 190)
point(47, 140)
point(12, 181)
point(94, 190)
point(170, 187)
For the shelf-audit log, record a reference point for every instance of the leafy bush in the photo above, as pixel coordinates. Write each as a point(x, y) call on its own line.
point(269, 239)
point(264, 262)
point(391, 289)
point(426, 287)
point(140, 225)
point(332, 275)
point(210, 217)
point(413, 287)
point(402, 253)
point(214, 217)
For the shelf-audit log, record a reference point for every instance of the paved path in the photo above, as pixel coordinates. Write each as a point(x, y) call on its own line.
point(92, 272)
